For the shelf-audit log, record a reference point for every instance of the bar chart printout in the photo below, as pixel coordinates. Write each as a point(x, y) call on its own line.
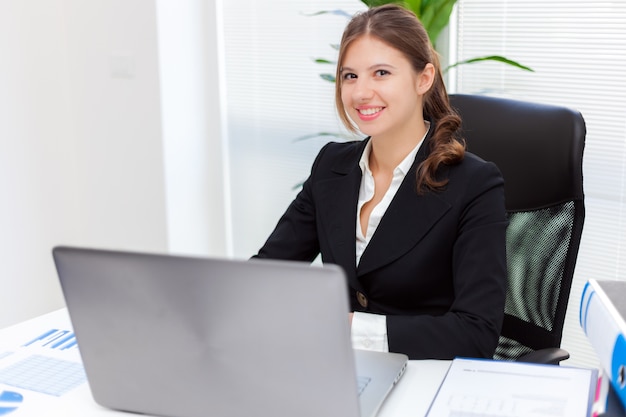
point(48, 363)
point(55, 339)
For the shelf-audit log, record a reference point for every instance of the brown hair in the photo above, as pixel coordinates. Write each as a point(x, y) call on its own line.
point(401, 29)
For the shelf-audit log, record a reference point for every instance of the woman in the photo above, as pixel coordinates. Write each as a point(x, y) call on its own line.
point(417, 223)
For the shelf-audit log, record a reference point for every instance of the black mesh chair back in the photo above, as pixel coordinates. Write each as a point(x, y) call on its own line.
point(539, 150)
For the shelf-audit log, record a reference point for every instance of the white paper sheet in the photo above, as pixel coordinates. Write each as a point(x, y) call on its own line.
point(486, 388)
point(39, 364)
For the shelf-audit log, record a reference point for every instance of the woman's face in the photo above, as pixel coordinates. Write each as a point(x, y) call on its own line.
point(380, 90)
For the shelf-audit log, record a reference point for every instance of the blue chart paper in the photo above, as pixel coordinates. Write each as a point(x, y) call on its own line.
point(44, 374)
point(55, 339)
point(47, 364)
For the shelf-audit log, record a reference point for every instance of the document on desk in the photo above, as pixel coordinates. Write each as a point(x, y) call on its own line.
point(48, 363)
point(40, 366)
point(489, 388)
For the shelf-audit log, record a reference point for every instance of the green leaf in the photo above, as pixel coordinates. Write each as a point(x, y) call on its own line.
point(434, 14)
point(328, 77)
point(375, 3)
point(324, 61)
point(497, 58)
point(427, 14)
point(415, 6)
point(441, 19)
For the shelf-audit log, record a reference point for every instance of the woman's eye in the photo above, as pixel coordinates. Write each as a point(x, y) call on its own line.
point(349, 76)
point(381, 72)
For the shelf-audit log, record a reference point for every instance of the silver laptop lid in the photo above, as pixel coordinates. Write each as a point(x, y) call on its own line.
point(190, 337)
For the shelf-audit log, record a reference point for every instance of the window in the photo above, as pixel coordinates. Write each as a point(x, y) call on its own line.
point(274, 96)
point(578, 51)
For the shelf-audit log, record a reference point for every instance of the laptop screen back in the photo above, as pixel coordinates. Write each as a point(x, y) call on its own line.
point(191, 337)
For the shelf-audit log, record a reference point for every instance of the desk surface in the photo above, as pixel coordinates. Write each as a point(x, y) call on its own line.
point(22, 342)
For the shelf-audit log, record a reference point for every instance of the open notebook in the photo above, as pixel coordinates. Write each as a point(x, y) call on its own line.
point(190, 337)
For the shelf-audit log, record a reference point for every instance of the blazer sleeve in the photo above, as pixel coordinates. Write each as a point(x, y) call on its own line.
point(471, 327)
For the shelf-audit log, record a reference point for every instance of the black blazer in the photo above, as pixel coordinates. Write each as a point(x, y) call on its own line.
point(436, 264)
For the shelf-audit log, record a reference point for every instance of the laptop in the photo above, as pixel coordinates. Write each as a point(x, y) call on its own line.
point(184, 336)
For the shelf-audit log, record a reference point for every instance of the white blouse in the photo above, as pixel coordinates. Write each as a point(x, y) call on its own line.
point(369, 331)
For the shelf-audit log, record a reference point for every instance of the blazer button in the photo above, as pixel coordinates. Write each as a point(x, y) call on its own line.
point(362, 299)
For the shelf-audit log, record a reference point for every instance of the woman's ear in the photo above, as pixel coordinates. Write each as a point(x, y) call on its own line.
point(425, 79)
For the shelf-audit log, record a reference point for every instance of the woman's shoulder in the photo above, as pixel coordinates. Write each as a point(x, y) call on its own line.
point(472, 158)
point(474, 162)
point(475, 171)
point(345, 148)
point(341, 154)
point(471, 172)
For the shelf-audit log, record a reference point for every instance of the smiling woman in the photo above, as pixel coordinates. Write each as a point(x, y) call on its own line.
point(384, 40)
point(373, 75)
point(417, 223)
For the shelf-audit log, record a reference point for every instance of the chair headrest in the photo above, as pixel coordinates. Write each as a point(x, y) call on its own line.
point(538, 147)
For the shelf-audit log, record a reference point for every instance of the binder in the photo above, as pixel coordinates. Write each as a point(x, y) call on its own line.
point(602, 312)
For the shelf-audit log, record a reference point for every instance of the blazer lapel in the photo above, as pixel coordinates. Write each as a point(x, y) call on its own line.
point(338, 197)
point(409, 217)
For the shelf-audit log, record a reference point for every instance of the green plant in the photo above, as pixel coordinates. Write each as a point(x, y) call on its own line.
point(434, 14)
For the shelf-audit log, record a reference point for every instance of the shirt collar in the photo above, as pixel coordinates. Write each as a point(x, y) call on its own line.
point(406, 163)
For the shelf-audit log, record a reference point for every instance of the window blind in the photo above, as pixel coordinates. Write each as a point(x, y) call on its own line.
point(274, 96)
point(578, 52)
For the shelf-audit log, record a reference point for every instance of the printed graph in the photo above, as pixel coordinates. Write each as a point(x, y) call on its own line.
point(55, 339)
point(43, 374)
point(44, 364)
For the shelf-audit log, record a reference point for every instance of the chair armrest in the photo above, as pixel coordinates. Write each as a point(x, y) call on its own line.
point(551, 356)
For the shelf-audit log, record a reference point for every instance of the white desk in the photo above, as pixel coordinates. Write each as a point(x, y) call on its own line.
point(411, 396)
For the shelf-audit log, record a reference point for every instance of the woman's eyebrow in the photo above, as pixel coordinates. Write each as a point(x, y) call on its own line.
point(371, 67)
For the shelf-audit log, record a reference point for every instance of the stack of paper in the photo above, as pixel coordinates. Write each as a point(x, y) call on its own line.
point(482, 387)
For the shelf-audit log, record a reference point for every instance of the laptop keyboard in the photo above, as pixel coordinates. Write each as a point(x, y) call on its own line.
point(361, 382)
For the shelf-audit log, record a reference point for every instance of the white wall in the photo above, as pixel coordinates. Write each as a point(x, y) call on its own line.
point(115, 116)
point(37, 160)
point(82, 159)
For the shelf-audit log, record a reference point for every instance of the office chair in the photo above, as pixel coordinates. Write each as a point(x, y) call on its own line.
point(539, 150)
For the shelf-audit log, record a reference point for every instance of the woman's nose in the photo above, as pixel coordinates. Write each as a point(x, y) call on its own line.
point(362, 91)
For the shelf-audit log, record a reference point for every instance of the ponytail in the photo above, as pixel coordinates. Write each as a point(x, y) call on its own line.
point(446, 145)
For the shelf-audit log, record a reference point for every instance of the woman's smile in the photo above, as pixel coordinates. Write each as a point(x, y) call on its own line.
point(367, 113)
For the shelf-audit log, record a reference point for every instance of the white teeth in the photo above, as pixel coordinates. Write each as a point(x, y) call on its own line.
point(369, 112)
